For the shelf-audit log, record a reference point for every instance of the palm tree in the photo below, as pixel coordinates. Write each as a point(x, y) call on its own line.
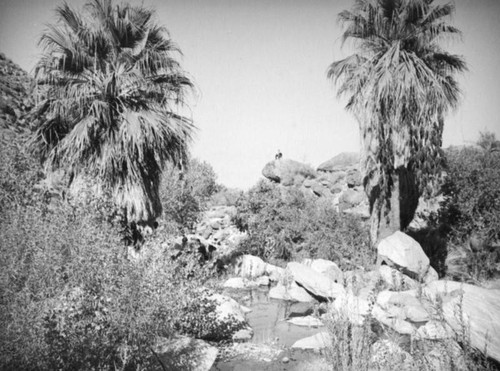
point(109, 93)
point(399, 85)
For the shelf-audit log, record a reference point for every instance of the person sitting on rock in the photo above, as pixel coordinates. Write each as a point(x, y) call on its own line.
point(279, 155)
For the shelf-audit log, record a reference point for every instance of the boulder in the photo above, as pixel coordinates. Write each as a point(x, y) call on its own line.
point(262, 281)
point(249, 266)
point(396, 280)
point(292, 292)
point(243, 335)
point(353, 178)
point(403, 252)
point(320, 190)
point(351, 307)
point(361, 211)
point(361, 283)
point(314, 282)
point(229, 309)
point(476, 308)
point(430, 276)
point(308, 321)
point(316, 342)
point(288, 172)
point(340, 162)
point(300, 309)
point(274, 272)
point(327, 268)
point(236, 283)
point(405, 304)
point(350, 198)
point(394, 322)
point(243, 283)
point(184, 353)
point(434, 330)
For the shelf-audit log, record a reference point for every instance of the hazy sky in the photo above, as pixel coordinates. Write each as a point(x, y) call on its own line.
point(260, 68)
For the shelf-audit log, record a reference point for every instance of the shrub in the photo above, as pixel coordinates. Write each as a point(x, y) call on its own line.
point(185, 193)
point(69, 296)
point(472, 188)
point(284, 223)
point(471, 210)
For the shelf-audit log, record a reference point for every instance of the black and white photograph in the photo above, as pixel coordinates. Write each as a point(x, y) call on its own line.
point(249, 185)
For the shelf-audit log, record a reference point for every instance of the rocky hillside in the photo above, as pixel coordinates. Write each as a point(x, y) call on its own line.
point(15, 100)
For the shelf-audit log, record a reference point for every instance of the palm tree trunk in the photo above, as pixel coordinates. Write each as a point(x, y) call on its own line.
point(396, 211)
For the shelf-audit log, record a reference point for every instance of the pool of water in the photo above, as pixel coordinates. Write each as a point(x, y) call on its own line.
point(268, 317)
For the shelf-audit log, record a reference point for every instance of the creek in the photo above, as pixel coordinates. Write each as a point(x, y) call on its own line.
point(270, 328)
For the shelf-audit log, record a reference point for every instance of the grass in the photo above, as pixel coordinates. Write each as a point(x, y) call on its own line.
point(371, 346)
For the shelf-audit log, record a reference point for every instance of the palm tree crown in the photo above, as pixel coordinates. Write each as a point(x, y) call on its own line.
point(109, 91)
point(399, 85)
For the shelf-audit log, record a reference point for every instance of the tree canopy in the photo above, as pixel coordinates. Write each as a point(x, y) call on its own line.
point(399, 84)
point(110, 94)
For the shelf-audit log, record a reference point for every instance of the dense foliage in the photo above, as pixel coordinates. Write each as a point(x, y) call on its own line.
point(185, 194)
point(470, 213)
point(70, 295)
point(399, 84)
point(284, 223)
point(473, 190)
point(109, 93)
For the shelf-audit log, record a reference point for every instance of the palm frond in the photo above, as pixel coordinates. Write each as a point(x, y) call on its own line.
point(109, 88)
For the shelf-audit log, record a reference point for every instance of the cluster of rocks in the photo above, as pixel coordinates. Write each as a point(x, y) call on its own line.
point(402, 295)
point(338, 179)
point(215, 238)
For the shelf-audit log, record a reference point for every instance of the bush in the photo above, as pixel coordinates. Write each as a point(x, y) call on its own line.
point(186, 193)
point(472, 188)
point(471, 211)
point(284, 223)
point(71, 299)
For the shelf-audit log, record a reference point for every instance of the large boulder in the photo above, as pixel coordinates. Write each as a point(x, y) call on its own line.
point(351, 198)
point(395, 280)
point(326, 267)
point(292, 292)
point(471, 307)
point(406, 303)
point(314, 282)
point(339, 162)
point(288, 172)
point(316, 342)
point(249, 266)
point(351, 307)
point(228, 309)
point(307, 321)
point(403, 252)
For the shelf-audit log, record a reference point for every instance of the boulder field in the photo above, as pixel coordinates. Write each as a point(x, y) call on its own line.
point(402, 294)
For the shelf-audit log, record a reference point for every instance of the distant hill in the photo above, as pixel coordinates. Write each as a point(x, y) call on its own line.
point(15, 97)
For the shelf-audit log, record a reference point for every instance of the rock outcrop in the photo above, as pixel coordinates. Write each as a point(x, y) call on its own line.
point(340, 181)
point(403, 252)
point(471, 307)
point(340, 162)
point(288, 172)
point(314, 282)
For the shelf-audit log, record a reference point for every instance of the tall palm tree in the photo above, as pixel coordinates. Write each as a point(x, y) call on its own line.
point(399, 85)
point(109, 95)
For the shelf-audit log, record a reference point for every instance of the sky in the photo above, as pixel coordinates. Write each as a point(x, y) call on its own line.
point(260, 71)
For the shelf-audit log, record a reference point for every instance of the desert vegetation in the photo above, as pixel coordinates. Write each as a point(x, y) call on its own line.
point(116, 241)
